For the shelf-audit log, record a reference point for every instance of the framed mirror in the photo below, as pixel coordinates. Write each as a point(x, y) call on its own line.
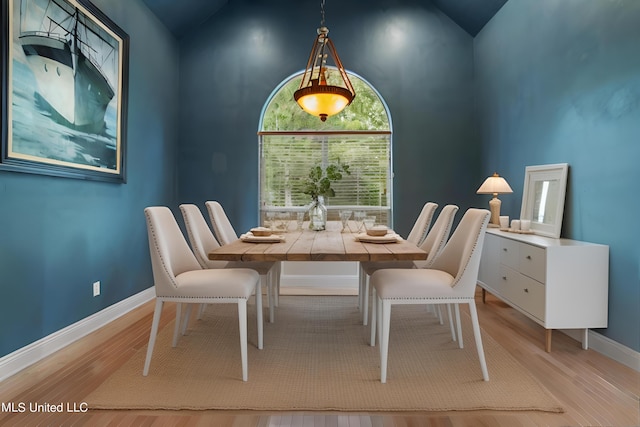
point(543, 198)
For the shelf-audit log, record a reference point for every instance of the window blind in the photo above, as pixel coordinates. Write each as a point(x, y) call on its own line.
point(287, 157)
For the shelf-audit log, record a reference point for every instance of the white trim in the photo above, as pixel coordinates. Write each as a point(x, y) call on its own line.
point(329, 275)
point(608, 347)
point(38, 350)
point(319, 281)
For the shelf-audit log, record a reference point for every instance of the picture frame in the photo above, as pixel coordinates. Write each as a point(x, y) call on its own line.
point(543, 198)
point(64, 69)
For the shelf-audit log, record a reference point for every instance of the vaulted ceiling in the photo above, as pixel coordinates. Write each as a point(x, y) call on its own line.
point(180, 16)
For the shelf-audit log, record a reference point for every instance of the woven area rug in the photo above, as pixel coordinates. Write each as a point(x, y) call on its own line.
point(316, 357)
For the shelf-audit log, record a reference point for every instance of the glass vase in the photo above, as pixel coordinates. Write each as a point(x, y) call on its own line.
point(318, 215)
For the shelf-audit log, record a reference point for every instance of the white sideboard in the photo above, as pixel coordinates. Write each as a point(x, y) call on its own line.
point(558, 283)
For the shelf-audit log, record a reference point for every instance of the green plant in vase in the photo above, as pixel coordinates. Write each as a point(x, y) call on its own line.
point(318, 186)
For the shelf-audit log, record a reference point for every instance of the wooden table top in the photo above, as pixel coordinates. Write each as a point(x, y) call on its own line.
point(328, 245)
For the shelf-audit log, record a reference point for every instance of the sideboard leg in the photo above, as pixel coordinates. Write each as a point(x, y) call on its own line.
point(585, 339)
point(547, 336)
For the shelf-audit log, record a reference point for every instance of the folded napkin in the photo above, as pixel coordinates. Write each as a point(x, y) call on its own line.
point(249, 237)
point(390, 237)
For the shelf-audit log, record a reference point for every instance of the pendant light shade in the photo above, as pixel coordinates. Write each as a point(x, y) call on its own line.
point(324, 90)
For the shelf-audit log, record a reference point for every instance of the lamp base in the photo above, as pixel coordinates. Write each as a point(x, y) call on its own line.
point(494, 207)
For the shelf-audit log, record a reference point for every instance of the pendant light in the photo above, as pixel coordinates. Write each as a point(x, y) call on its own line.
point(324, 90)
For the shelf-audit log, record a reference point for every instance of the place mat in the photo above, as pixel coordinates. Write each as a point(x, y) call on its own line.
point(388, 238)
point(317, 356)
point(250, 238)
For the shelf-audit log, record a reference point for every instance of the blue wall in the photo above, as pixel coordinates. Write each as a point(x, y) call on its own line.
point(559, 81)
point(59, 235)
point(416, 57)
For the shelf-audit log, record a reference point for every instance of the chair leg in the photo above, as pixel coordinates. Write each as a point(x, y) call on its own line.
point(277, 272)
point(185, 322)
point(242, 322)
point(478, 338)
point(365, 299)
point(378, 303)
point(266, 279)
point(152, 336)
point(374, 320)
point(259, 314)
point(451, 325)
point(459, 324)
point(384, 339)
point(201, 311)
point(361, 275)
point(270, 295)
point(439, 311)
point(431, 308)
point(176, 327)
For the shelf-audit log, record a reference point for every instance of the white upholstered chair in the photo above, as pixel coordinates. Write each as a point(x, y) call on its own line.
point(225, 233)
point(432, 245)
point(203, 241)
point(416, 236)
point(438, 235)
point(200, 236)
point(222, 227)
point(179, 278)
point(451, 279)
point(421, 226)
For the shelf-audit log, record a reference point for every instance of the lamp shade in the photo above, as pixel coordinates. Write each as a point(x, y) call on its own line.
point(495, 184)
point(323, 100)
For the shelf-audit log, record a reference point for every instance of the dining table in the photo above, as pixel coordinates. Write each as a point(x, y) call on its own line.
point(331, 244)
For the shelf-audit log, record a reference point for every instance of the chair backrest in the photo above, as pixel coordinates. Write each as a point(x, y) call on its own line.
point(461, 255)
point(438, 235)
point(221, 225)
point(420, 227)
point(170, 253)
point(200, 236)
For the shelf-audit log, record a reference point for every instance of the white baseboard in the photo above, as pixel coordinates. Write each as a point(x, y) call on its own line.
point(608, 347)
point(38, 350)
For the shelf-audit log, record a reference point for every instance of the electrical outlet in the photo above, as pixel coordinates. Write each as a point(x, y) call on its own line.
point(96, 288)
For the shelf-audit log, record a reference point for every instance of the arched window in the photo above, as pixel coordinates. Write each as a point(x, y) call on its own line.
point(292, 142)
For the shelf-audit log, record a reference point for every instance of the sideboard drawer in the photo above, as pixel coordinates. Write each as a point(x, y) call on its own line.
point(532, 262)
point(509, 253)
point(523, 291)
point(529, 295)
point(508, 283)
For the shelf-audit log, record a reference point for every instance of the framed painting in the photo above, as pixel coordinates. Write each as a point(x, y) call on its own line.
point(64, 90)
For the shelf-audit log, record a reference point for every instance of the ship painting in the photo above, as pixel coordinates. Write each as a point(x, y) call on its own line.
point(71, 57)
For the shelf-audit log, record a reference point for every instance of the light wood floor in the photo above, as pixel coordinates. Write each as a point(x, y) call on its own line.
point(594, 390)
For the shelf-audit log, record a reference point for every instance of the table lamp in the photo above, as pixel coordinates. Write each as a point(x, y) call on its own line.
point(495, 185)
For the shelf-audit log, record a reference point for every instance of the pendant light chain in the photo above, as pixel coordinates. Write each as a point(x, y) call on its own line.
point(322, 13)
